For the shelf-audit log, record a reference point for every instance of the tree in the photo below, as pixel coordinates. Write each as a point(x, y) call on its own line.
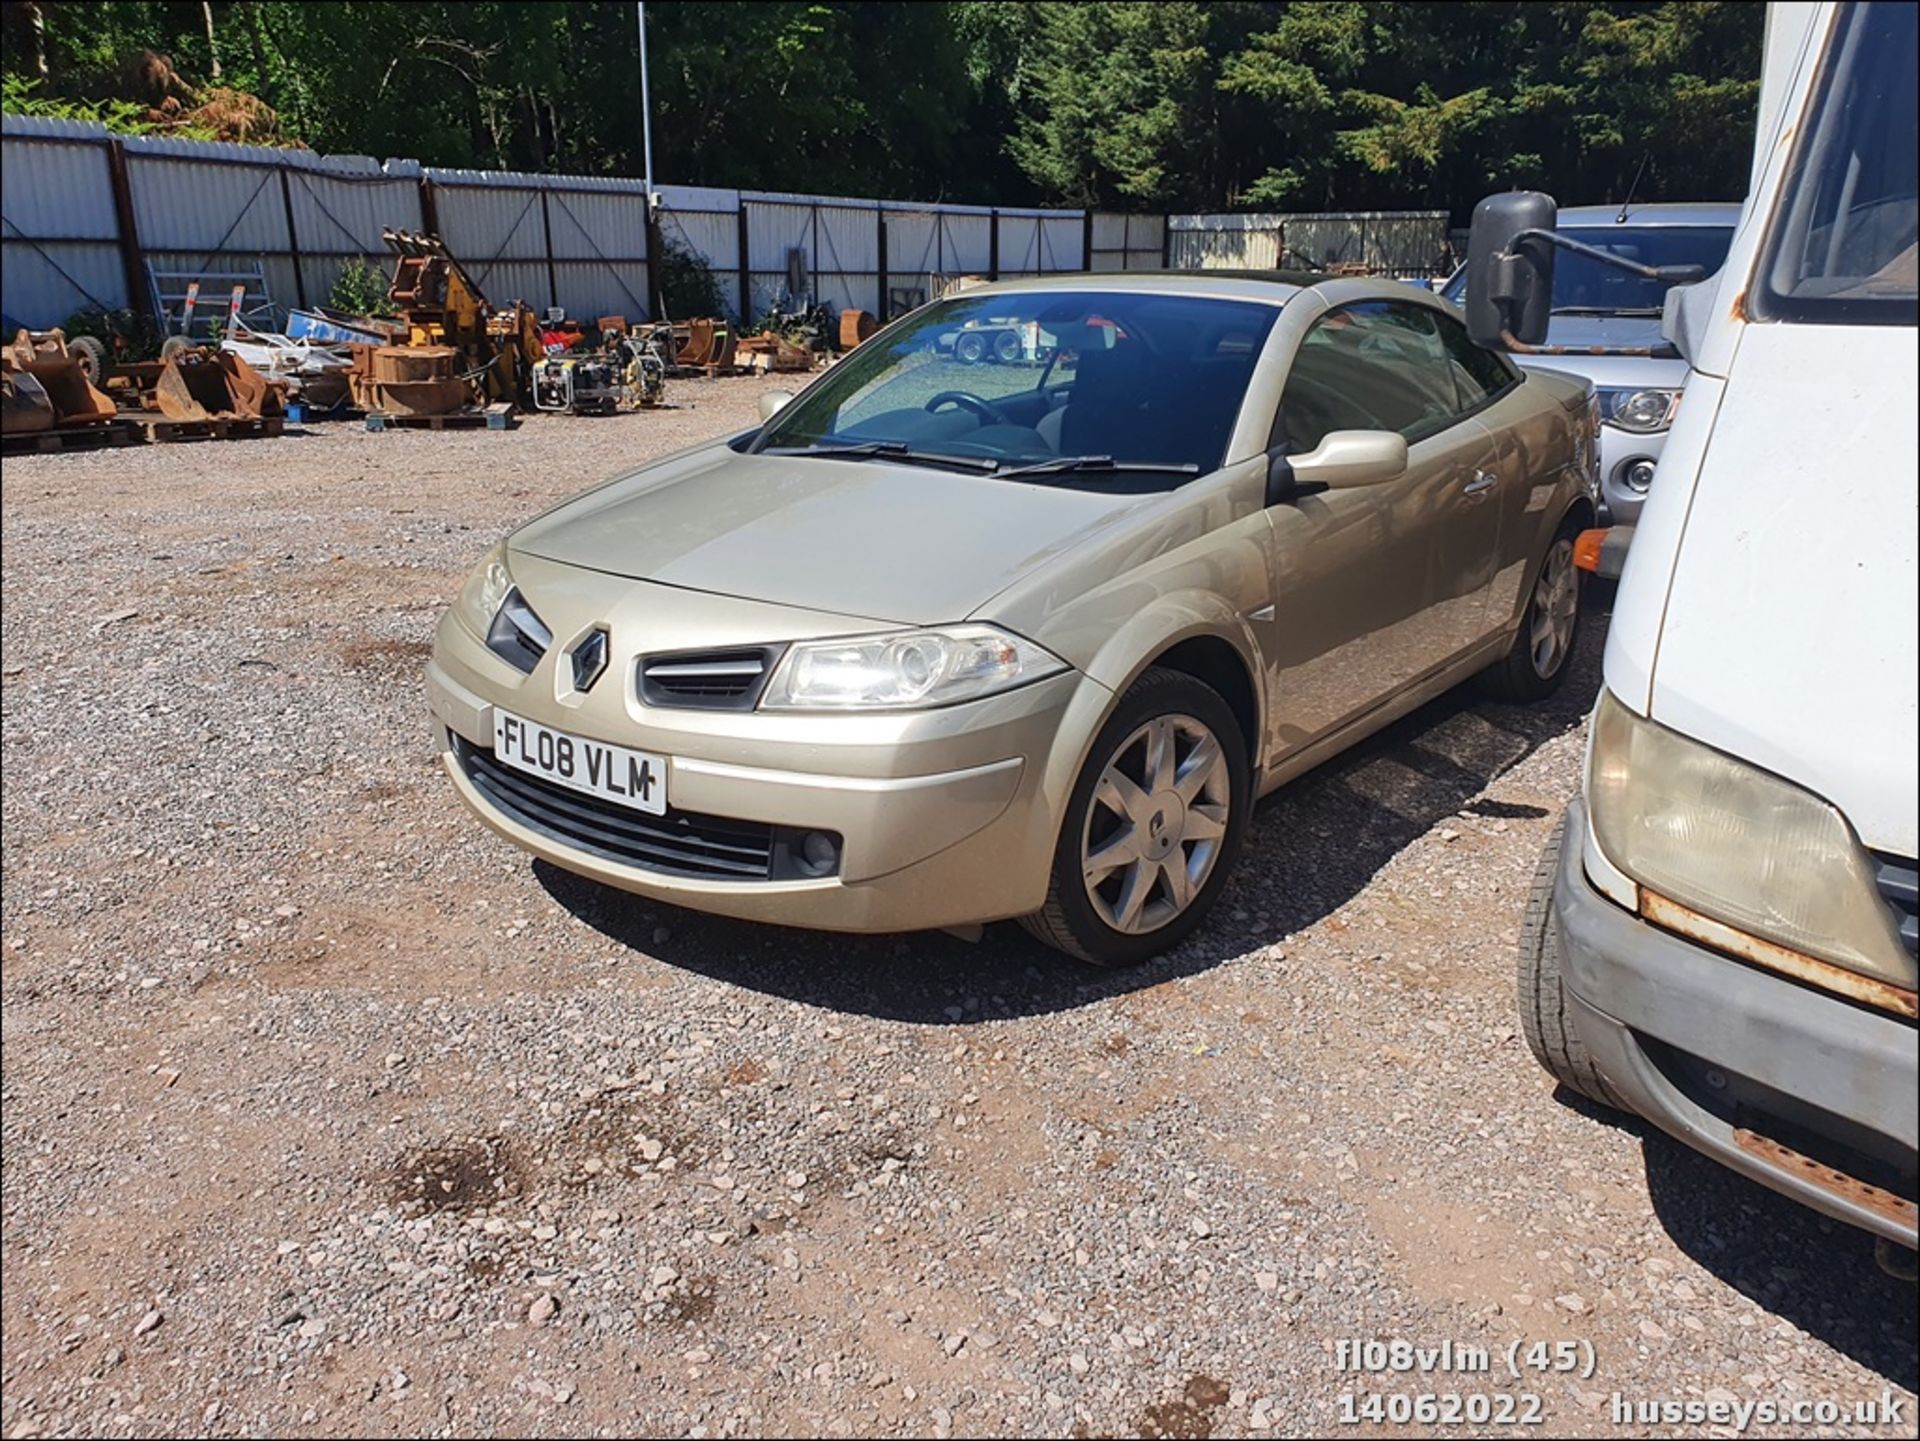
point(1305, 104)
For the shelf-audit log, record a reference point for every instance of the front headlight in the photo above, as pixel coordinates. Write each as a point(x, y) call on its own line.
point(486, 589)
point(1644, 412)
point(1739, 845)
point(905, 670)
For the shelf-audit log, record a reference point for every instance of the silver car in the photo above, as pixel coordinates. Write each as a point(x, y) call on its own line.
point(1597, 309)
point(947, 642)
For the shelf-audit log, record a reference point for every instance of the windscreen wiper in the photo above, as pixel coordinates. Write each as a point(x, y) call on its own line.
point(1061, 465)
point(884, 450)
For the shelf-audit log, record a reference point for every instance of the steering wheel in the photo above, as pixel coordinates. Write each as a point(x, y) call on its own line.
point(989, 413)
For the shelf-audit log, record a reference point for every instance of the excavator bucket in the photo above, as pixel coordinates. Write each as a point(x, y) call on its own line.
point(697, 349)
point(24, 407)
point(253, 393)
point(209, 385)
point(73, 399)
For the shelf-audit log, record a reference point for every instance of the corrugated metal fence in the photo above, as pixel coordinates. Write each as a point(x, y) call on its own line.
point(1128, 242)
point(86, 214)
point(1378, 242)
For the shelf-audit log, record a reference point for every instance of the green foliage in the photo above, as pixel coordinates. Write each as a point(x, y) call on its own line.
point(21, 96)
point(361, 289)
point(688, 286)
point(1307, 104)
point(128, 337)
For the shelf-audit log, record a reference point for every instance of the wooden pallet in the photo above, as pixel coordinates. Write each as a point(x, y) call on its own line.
point(90, 437)
point(159, 430)
point(494, 417)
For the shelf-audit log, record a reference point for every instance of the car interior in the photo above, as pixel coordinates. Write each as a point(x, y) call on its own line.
point(1145, 380)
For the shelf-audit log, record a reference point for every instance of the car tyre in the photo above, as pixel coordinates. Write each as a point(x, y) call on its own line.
point(1543, 647)
point(1079, 916)
point(1543, 990)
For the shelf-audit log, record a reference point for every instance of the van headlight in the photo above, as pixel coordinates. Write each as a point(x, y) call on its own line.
point(905, 670)
point(1644, 412)
point(1739, 845)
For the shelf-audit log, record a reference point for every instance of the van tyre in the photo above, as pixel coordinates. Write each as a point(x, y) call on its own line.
point(1152, 827)
point(1542, 650)
point(1543, 991)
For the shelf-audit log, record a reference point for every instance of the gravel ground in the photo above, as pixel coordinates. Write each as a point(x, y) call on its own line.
point(327, 1112)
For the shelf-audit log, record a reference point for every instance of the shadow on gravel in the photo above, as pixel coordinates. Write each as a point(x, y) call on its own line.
point(1811, 1272)
point(1312, 847)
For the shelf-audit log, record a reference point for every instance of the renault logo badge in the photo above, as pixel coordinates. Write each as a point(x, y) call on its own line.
point(589, 660)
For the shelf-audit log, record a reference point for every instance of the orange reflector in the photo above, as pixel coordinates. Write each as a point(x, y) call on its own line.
point(1586, 549)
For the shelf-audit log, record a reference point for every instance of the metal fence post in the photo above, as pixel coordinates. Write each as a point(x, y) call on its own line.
point(993, 243)
point(880, 249)
point(293, 240)
point(1166, 241)
point(132, 259)
point(1086, 241)
point(429, 206)
point(546, 225)
point(746, 266)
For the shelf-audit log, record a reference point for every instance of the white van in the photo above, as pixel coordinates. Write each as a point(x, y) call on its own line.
point(1723, 939)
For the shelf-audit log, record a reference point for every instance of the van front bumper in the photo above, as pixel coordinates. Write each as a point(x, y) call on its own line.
point(1749, 1068)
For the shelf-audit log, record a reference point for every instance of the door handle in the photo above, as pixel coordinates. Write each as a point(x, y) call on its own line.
point(1481, 483)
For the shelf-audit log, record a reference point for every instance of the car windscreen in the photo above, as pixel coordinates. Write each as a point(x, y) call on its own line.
point(1589, 287)
point(1842, 247)
point(1017, 378)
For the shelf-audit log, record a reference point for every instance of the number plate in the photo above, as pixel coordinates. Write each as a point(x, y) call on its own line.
point(626, 777)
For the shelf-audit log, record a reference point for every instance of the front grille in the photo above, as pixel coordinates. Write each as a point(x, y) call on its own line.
point(1899, 882)
point(708, 679)
point(676, 844)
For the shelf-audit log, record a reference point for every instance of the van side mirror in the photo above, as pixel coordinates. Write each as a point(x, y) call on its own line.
point(771, 402)
point(1348, 459)
point(1509, 272)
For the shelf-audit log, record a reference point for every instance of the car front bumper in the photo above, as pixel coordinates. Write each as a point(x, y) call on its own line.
point(947, 817)
point(1750, 1068)
point(1620, 451)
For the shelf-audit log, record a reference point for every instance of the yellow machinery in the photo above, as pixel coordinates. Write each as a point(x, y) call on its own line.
point(441, 305)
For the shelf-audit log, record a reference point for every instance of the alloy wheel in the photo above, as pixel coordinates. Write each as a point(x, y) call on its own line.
point(1555, 610)
point(1156, 824)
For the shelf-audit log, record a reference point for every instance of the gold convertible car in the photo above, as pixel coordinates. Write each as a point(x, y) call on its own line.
point(1014, 611)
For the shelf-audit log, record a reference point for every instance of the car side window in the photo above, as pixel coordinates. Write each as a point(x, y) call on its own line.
point(1375, 365)
point(1479, 375)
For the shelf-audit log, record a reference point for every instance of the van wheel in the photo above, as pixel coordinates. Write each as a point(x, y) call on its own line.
point(1152, 827)
point(1543, 648)
point(1543, 992)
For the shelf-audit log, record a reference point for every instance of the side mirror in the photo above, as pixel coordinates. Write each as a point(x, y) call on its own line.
point(1510, 278)
point(771, 402)
point(1347, 459)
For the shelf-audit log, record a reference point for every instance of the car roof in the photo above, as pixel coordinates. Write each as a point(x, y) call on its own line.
point(1273, 287)
point(1698, 212)
point(1270, 287)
